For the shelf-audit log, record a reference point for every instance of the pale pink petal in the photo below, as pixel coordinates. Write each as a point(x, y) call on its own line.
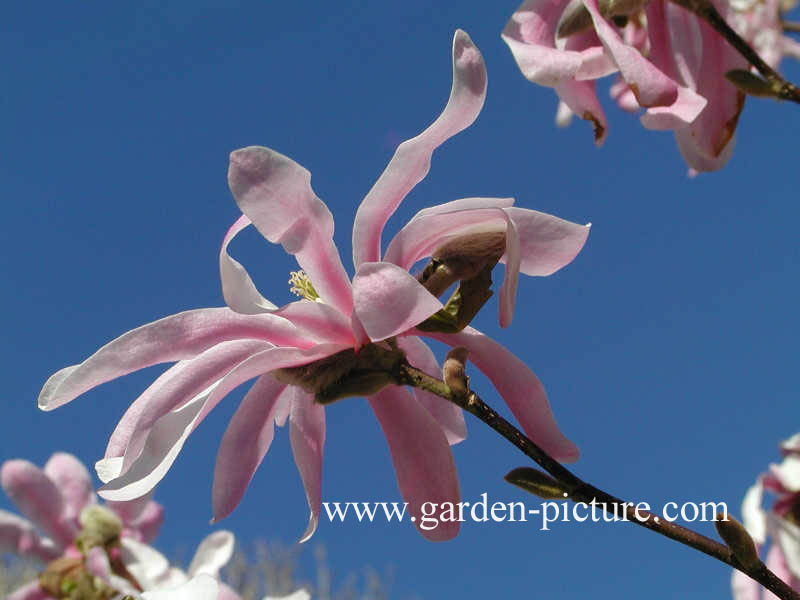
point(172, 338)
point(791, 446)
point(786, 535)
point(463, 204)
point(307, 435)
point(428, 230)
point(389, 301)
point(508, 291)
point(519, 387)
point(547, 243)
point(411, 160)
point(754, 518)
point(650, 85)
point(19, 536)
point(97, 563)
point(531, 35)
point(318, 321)
point(165, 439)
point(131, 510)
point(38, 498)
point(29, 591)
point(228, 593)
point(581, 98)
point(680, 114)
point(244, 444)
point(147, 565)
point(73, 481)
point(422, 459)
point(449, 416)
point(788, 473)
point(777, 564)
point(696, 158)
point(238, 289)
point(212, 554)
point(179, 383)
point(275, 193)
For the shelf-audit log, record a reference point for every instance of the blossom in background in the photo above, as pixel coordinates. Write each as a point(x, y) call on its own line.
point(670, 62)
point(759, 23)
point(781, 524)
point(342, 336)
point(84, 542)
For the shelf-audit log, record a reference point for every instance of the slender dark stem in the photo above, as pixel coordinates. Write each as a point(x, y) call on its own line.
point(580, 491)
point(706, 11)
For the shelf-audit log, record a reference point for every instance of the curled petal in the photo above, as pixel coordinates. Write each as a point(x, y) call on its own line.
point(307, 435)
point(754, 518)
point(184, 380)
point(388, 301)
point(72, 479)
point(38, 498)
point(508, 291)
point(531, 34)
point(212, 554)
point(244, 444)
point(202, 587)
point(238, 289)
point(649, 84)
point(147, 565)
point(138, 473)
point(581, 98)
point(449, 416)
point(172, 338)
point(275, 193)
point(318, 321)
point(422, 459)
point(681, 113)
point(519, 387)
point(411, 160)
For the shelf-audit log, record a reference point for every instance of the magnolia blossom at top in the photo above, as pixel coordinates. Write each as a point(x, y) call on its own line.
point(759, 22)
point(670, 63)
point(781, 523)
point(341, 334)
point(67, 523)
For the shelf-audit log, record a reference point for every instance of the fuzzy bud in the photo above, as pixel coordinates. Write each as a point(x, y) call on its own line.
point(738, 540)
point(453, 372)
point(537, 483)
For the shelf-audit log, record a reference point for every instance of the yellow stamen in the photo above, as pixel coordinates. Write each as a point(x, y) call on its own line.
point(301, 286)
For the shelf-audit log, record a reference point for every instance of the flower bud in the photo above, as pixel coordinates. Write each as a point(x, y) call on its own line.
point(100, 527)
point(537, 483)
point(453, 371)
point(738, 540)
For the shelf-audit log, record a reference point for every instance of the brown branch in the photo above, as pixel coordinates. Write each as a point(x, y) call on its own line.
point(580, 491)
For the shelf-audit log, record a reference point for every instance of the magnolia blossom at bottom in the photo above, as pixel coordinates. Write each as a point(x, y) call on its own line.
point(102, 547)
point(780, 526)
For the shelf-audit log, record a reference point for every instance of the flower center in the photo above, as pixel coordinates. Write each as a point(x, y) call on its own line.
point(301, 286)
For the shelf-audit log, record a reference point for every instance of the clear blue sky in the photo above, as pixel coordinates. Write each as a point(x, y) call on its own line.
point(669, 346)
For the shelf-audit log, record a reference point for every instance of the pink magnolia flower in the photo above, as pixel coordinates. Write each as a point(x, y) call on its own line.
point(759, 22)
point(781, 523)
point(308, 346)
point(60, 502)
point(670, 63)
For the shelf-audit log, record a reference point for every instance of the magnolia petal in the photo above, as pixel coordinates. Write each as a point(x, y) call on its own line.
point(238, 289)
point(19, 536)
point(449, 416)
point(519, 387)
point(212, 554)
point(172, 338)
point(788, 473)
point(318, 321)
point(422, 459)
point(681, 113)
point(508, 291)
point(228, 593)
point(649, 84)
point(547, 243)
point(300, 594)
point(307, 436)
point(74, 482)
point(786, 535)
point(202, 587)
point(38, 498)
point(581, 98)
point(463, 204)
point(388, 301)
point(185, 380)
point(164, 440)
point(754, 518)
point(145, 563)
point(792, 445)
point(430, 229)
point(29, 591)
point(275, 193)
point(531, 34)
point(244, 444)
point(411, 160)
point(148, 523)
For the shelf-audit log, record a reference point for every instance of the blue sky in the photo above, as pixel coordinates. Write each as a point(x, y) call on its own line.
point(668, 347)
